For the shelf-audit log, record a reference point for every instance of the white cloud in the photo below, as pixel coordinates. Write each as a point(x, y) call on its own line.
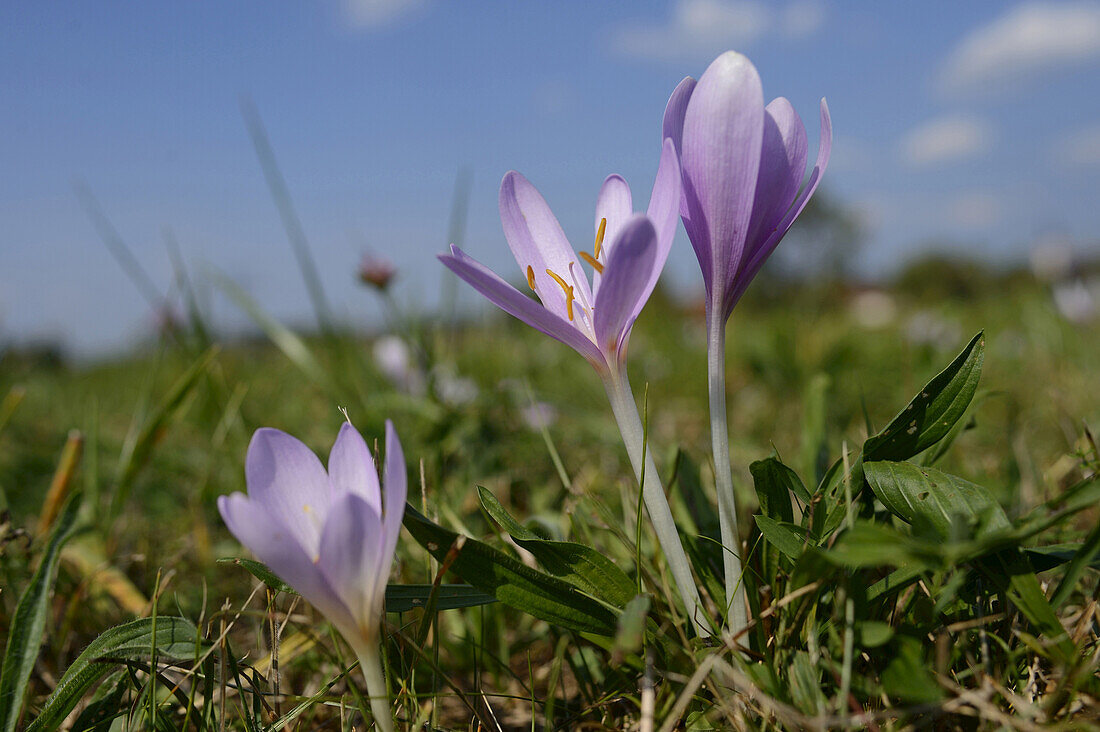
point(974, 210)
point(1080, 148)
point(363, 14)
point(702, 29)
point(946, 139)
point(802, 18)
point(1024, 42)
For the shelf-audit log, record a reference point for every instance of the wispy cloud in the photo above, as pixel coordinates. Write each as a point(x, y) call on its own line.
point(701, 29)
point(1078, 149)
point(1028, 40)
point(367, 14)
point(946, 139)
point(974, 209)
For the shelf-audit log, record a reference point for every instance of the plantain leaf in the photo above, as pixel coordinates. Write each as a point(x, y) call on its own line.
point(515, 584)
point(910, 491)
point(176, 639)
point(931, 414)
point(577, 564)
point(28, 623)
point(402, 598)
point(791, 539)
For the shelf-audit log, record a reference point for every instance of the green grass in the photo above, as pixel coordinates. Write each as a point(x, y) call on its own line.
point(946, 651)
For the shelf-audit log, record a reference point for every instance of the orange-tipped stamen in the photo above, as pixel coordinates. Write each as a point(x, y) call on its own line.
point(530, 277)
point(599, 236)
point(568, 290)
point(591, 260)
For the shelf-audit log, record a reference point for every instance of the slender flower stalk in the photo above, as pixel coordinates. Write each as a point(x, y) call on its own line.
point(742, 165)
point(327, 533)
point(595, 318)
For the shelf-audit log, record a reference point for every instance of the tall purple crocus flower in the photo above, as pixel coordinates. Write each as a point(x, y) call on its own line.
point(327, 534)
point(742, 165)
point(595, 317)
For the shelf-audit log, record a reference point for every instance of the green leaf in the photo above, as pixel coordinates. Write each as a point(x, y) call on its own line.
point(791, 539)
point(774, 483)
point(805, 686)
point(909, 491)
point(906, 676)
point(1084, 557)
point(631, 631)
point(176, 639)
point(403, 598)
point(512, 582)
point(1055, 555)
point(869, 544)
point(28, 623)
point(933, 412)
point(577, 564)
point(260, 571)
point(873, 633)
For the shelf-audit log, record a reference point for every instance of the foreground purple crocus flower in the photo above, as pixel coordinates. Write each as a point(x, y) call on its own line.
point(327, 534)
point(596, 318)
point(742, 164)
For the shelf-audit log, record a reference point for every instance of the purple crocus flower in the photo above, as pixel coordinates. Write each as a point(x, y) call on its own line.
point(327, 534)
point(742, 165)
point(630, 250)
point(595, 317)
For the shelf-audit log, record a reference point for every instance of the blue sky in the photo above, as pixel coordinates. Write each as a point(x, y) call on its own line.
point(976, 125)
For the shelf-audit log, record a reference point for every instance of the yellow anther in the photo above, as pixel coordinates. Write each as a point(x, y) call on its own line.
point(591, 260)
point(568, 290)
point(599, 236)
point(530, 277)
point(306, 508)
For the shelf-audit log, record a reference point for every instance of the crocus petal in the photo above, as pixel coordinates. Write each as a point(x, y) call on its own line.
point(287, 479)
point(673, 129)
point(537, 240)
point(617, 206)
point(258, 530)
point(759, 256)
point(782, 165)
point(396, 480)
point(664, 206)
point(352, 558)
point(723, 134)
point(518, 305)
point(351, 467)
point(626, 276)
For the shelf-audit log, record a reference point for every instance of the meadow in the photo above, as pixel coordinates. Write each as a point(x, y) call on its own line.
point(110, 471)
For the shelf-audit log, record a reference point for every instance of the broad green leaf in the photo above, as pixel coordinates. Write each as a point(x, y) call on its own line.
point(260, 571)
point(577, 564)
point(869, 544)
point(873, 633)
point(1055, 555)
point(906, 676)
point(909, 491)
point(931, 414)
point(774, 483)
point(28, 622)
point(403, 598)
point(791, 539)
point(176, 639)
point(631, 631)
point(512, 582)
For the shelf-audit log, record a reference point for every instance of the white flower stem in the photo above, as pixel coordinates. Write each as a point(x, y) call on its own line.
point(626, 414)
point(370, 663)
point(723, 475)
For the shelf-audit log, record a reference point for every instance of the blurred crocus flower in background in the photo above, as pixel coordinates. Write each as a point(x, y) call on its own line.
point(329, 535)
point(395, 359)
point(376, 272)
point(595, 318)
point(742, 164)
